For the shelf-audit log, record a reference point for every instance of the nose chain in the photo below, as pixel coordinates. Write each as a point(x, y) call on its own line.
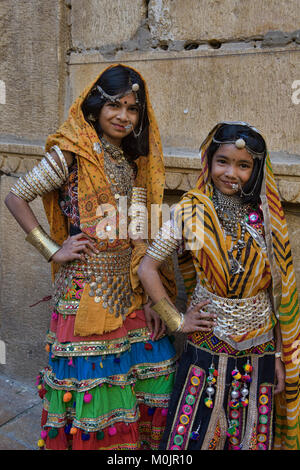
point(232, 213)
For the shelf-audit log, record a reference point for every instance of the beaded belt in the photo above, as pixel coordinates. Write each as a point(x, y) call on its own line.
point(235, 316)
point(108, 275)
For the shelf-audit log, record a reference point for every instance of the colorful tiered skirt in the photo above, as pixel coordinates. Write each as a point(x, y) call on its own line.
point(223, 398)
point(108, 392)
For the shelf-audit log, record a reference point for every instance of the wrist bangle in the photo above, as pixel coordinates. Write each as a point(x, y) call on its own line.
point(42, 242)
point(181, 323)
point(278, 355)
point(173, 319)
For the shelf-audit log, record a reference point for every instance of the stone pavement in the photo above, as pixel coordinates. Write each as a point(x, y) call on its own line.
point(20, 415)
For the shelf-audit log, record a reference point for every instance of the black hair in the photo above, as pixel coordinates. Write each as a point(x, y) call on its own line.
point(256, 143)
point(117, 80)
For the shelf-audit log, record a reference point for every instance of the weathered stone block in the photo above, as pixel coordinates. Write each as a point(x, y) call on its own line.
point(193, 90)
point(221, 20)
point(25, 279)
point(102, 23)
point(32, 67)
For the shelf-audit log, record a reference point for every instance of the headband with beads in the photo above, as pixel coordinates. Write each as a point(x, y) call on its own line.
point(240, 144)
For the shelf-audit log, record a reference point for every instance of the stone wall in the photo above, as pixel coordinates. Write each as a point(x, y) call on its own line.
point(204, 61)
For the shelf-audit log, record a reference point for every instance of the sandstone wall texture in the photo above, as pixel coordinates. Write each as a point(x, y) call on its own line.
point(204, 61)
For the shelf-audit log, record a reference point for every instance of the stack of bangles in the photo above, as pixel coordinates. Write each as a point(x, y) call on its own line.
point(42, 179)
point(164, 244)
point(139, 208)
point(170, 316)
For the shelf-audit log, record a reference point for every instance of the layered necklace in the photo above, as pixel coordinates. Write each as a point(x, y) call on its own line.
point(232, 212)
point(117, 168)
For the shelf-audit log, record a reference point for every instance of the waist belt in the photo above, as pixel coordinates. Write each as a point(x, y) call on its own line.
point(235, 316)
point(108, 275)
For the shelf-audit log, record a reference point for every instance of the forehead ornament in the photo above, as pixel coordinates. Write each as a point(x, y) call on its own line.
point(113, 98)
point(135, 87)
point(240, 143)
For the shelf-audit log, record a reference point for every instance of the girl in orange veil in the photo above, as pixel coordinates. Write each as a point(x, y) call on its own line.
point(111, 364)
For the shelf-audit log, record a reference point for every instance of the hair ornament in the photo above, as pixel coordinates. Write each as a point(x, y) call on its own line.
point(240, 143)
point(112, 98)
point(135, 87)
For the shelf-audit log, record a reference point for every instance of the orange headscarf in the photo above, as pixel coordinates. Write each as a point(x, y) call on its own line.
point(76, 135)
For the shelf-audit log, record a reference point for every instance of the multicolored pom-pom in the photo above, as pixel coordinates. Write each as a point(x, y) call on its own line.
point(246, 378)
point(68, 428)
point(100, 435)
point(52, 433)
point(164, 411)
point(245, 402)
point(234, 404)
point(87, 397)
point(41, 443)
point(112, 430)
point(208, 402)
point(67, 397)
point(236, 374)
point(248, 367)
point(54, 316)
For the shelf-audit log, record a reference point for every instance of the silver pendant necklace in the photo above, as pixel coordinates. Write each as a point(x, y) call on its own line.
point(232, 213)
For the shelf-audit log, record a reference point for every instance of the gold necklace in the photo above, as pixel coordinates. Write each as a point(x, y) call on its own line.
point(119, 171)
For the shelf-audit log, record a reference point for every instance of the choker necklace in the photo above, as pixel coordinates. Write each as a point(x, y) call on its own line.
point(232, 213)
point(114, 151)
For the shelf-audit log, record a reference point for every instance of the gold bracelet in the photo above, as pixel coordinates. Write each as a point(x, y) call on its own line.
point(278, 355)
point(173, 319)
point(42, 242)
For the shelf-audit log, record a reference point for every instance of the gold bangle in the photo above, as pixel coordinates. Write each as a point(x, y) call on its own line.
point(278, 355)
point(173, 319)
point(42, 242)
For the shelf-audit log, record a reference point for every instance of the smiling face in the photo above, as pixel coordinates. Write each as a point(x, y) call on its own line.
point(117, 119)
point(231, 168)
